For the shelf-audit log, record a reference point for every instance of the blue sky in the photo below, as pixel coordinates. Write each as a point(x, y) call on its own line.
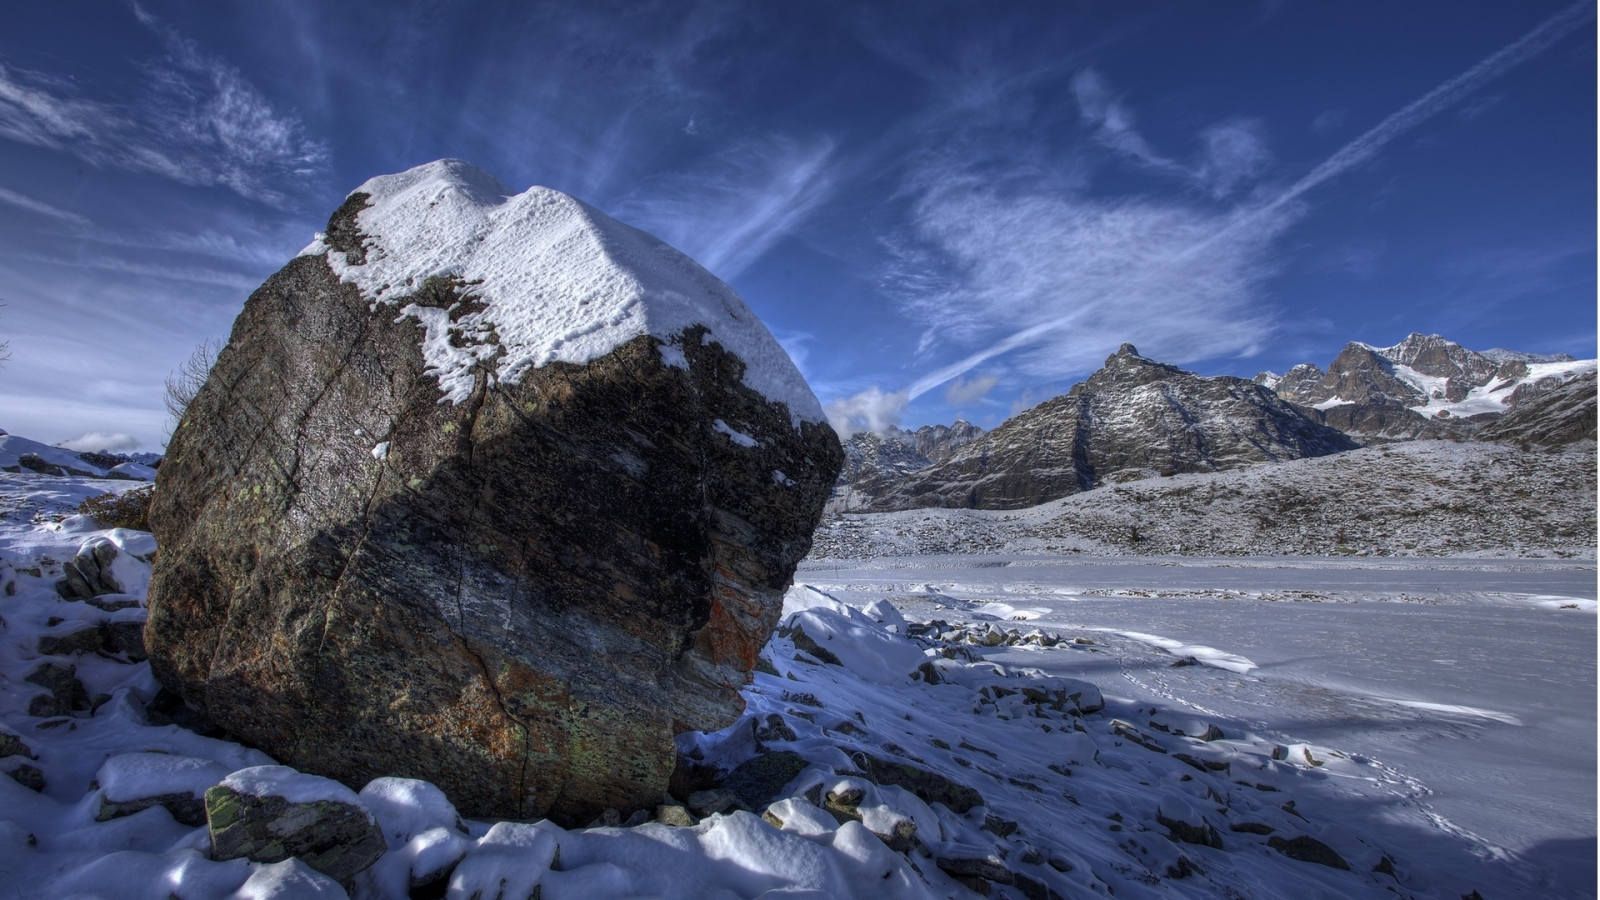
point(941, 209)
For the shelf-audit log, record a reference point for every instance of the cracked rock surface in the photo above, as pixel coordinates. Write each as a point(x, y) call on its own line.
point(521, 597)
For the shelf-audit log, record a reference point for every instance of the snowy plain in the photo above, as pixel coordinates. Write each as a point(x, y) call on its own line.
point(1135, 727)
point(1469, 683)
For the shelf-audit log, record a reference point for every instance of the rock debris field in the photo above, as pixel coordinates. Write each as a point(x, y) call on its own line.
point(1421, 498)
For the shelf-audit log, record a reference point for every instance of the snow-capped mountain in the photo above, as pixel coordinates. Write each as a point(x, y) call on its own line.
point(1423, 387)
point(874, 461)
point(1134, 418)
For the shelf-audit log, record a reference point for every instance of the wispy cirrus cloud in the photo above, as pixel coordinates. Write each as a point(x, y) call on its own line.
point(194, 119)
point(23, 201)
point(1232, 153)
point(1070, 276)
point(729, 211)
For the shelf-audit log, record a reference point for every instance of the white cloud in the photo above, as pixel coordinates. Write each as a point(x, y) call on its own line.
point(870, 410)
point(109, 441)
point(194, 120)
point(22, 201)
point(727, 214)
point(1235, 154)
point(1071, 277)
point(1232, 153)
point(966, 391)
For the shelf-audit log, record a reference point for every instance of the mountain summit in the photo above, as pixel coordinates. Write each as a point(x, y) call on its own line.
point(1133, 418)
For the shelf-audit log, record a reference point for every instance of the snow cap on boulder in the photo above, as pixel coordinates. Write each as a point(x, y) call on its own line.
point(554, 279)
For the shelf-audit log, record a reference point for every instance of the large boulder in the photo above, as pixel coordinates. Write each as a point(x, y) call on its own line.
point(487, 490)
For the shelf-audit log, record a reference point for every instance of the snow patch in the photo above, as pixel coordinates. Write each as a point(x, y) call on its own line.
point(1210, 656)
point(291, 785)
point(738, 437)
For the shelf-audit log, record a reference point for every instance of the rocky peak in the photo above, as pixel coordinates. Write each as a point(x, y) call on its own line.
point(1134, 418)
point(937, 442)
point(1126, 368)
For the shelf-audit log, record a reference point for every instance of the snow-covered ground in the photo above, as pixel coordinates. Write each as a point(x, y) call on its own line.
point(1346, 729)
point(1467, 686)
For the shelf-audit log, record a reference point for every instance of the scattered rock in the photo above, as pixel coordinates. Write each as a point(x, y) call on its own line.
point(86, 639)
point(759, 780)
point(13, 745)
point(134, 782)
point(1251, 827)
point(125, 638)
point(989, 868)
point(929, 787)
point(1308, 849)
point(675, 815)
point(713, 801)
point(775, 729)
point(28, 776)
point(270, 813)
point(999, 827)
point(66, 692)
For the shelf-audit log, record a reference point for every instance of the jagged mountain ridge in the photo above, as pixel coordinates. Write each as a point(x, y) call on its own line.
point(875, 461)
point(1424, 387)
point(1134, 418)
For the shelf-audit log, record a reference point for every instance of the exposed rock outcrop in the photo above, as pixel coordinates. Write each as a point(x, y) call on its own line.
point(488, 490)
point(1563, 414)
point(1134, 418)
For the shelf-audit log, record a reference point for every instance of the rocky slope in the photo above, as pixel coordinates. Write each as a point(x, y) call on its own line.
point(1561, 414)
point(1419, 498)
point(1134, 418)
point(1423, 387)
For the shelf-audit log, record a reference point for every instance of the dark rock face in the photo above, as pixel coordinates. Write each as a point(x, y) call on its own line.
point(520, 598)
point(1133, 418)
point(1561, 415)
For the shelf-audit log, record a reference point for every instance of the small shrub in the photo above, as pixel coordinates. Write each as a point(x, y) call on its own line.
point(130, 509)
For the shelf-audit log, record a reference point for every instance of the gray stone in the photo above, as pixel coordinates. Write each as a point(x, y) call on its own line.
point(1202, 834)
point(28, 776)
point(758, 781)
point(675, 815)
point(930, 787)
point(184, 806)
point(1308, 849)
point(66, 692)
point(12, 745)
point(86, 639)
point(336, 839)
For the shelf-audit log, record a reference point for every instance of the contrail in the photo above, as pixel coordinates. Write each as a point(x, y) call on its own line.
point(1345, 158)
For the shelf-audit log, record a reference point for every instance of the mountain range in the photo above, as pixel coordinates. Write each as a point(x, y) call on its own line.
point(1138, 418)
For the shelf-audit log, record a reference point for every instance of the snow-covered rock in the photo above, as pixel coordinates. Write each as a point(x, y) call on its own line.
point(576, 493)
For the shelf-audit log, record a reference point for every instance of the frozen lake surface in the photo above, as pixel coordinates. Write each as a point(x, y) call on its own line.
point(1470, 685)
